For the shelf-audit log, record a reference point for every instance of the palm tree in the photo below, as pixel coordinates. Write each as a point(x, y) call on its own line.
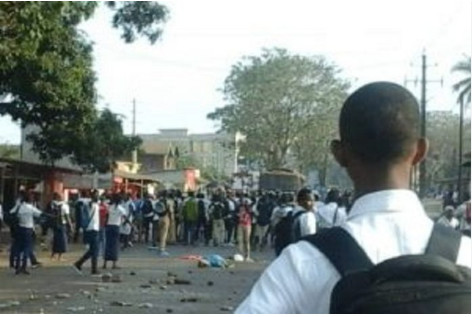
point(463, 89)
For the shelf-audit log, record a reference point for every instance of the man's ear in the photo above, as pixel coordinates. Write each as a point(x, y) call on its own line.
point(339, 153)
point(421, 150)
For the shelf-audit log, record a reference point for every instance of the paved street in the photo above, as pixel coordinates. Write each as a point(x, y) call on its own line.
point(211, 290)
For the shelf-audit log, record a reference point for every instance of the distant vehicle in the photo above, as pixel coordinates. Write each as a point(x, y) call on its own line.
point(281, 179)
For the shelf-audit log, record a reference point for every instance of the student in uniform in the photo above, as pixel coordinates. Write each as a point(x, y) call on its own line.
point(116, 215)
point(91, 237)
point(379, 144)
point(26, 213)
point(62, 222)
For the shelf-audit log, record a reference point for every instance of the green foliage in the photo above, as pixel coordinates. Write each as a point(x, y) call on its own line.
point(105, 143)
point(46, 68)
point(282, 104)
point(443, 137)
point(463, 86)
point(9, 151)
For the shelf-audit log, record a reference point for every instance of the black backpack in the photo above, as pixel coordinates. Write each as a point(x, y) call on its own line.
point(218, 211)
point(285, 231)
point(423, 283)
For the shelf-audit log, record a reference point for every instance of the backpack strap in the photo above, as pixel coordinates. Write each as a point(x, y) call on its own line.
point(341, 250)
point(444, 242)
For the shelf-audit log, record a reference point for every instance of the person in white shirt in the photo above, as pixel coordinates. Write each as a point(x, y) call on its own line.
point(448, 219)
point(379, 145)
point(116, 216)
point(26, 213)
point(306, 223)
point(61, 221)
point(331, 213)
point(91, 237)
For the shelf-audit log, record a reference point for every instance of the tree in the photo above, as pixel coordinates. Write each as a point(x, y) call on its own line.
point(9, 151)
point(463, 89)
point(278, 101)
point(46, 74)
point(105, 143)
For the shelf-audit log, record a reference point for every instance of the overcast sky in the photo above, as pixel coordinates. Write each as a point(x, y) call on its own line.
point(175, 82)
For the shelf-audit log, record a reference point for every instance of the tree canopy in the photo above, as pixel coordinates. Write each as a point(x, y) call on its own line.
point(463, 86)
point(285, 105)
point(46, 67)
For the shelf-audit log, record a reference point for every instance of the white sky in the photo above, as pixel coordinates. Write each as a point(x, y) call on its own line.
point(176, 81)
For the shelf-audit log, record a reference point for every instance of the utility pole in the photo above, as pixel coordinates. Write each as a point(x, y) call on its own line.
point(134, 154)
point(423, 124)
point(461, 132)
point(424, 82)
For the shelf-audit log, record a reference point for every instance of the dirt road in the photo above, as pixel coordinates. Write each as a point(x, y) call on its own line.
point(145, 288)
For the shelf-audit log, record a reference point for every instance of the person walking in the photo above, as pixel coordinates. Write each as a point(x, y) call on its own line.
point(92, 226)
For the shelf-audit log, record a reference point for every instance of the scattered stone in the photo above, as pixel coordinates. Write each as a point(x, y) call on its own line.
point(190, 272)
point(86, 293)
point(100, 310)
point(120, 304)
point(132, 273)
point(100, 289)
point(62, 295)
point(227, 308)
point(170, 274)
point(76, 309)
point(230, 298)
point(106, 278)
point(210, 283)
point(54, 303)
point(182, 282)
point(33, 297)
point(47, 296)
point(170, 281)
point(169, 310)
point(163, 287)
point(146, 286)
point(41, 310)
point(235, 292)
point(189, 300)
point(231, 272)
point(146, 305)
point(116, 278)
point(154, 281)
point(13, 303)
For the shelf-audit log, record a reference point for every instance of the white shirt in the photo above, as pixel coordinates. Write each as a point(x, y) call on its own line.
point(307, 221)
point(332, 214)
point(386, 223)
point(115, 215)
point(453, 223)
point(94, 213)
point(1, 213)
point(26, 213)
point(278, 213)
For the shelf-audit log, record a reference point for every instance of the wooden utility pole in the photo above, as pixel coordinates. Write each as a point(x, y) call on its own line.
point(134, 154)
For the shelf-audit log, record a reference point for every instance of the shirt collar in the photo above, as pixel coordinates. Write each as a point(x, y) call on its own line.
point(399, 200)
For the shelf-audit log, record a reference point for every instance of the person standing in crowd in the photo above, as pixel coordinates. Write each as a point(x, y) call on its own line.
point(115, 219)
point(200, 232)
point(263, 211)
point(26, 213)
point(448, 219)
point(163, 211)
point(92, 226)
point(332, 213)
point(244, 229)
point(148, 214)
point(190, 217)
point(217, 213)
point(170, 200)
point(379, 146)
point(80, 212)
point(62, 221)
point(103, 212)
point(231, 218)
point(127, 224)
